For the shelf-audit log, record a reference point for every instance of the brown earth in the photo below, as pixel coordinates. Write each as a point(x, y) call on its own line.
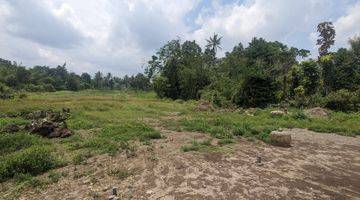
point(317, 166)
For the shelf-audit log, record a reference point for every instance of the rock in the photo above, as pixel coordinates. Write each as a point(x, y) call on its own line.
point(113, 197)
point(11, 128)
point(277, 113)
point(204, 106)
point(317, 112)
point(281, 139)
point(48, 129)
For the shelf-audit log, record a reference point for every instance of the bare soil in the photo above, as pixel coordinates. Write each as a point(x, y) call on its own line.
point(317, 166)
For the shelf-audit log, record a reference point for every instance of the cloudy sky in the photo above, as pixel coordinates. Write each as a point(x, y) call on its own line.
point(118, 36)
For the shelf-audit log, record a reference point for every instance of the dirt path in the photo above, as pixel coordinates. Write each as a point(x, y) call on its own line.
point(317, 166)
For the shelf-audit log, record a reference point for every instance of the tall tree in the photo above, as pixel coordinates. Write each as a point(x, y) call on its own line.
point(213, 44)
point(326, 37)
point(98, 80)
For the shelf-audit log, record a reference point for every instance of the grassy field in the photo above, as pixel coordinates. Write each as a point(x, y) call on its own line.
point(107, 122)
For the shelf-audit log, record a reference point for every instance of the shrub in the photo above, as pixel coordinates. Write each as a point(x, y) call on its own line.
point(256, 92)
point(5, 92)
point(23, 96)
point(299, 115)
point(222, 142)
point(33, 160)
point(343, 100)
point(17, 141)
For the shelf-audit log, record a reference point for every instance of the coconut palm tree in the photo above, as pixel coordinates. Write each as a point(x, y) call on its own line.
point(213, 43)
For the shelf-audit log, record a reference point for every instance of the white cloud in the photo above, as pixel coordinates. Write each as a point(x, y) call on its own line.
point(348, 25)
point(119, 35)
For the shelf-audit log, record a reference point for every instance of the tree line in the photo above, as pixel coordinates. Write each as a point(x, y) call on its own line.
point(44, 78)
point(261, 74)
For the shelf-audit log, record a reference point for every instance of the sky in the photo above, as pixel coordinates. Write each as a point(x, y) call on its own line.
point(119, 36)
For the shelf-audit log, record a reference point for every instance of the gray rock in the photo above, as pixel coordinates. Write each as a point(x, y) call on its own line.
point(281, 139)
point(277, 113)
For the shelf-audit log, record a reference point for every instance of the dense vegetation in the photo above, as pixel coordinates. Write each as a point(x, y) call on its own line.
point(46, 79)
point(258, 75)
point(263, 73)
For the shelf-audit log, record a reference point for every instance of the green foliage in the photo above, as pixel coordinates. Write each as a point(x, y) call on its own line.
point(46, 79)
point(256, 92)
point(121, 174)
point(222, 142)
point(178, 70)
point(17, 141)
point(311, 74)
point(33, 160)
point(5, 92)
point(343, 100)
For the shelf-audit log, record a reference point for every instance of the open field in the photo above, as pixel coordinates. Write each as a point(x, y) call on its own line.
point(163, 149)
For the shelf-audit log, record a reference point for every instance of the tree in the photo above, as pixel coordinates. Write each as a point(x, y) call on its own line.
point(256, 92)
point(22, 75)
point(85, 80)
point(326, 37)
point(311, 74)
point(180, 70)
point(73, 82)
point(98, 80)
point(213, 44)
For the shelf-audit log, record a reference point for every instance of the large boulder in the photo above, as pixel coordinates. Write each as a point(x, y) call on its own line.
point(317, 112)
point(281, 139)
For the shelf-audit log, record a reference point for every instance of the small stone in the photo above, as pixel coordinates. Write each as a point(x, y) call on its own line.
point(149, 192)
point(113, 197)
point(114, 191)
point(281, 139)
point(277, 113)
point(258, 161)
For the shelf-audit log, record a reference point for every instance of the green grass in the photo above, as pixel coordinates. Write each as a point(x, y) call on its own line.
point(108, 121)
point(33, 160)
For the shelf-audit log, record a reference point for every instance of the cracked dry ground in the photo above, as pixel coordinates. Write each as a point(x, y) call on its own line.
point(317, 166)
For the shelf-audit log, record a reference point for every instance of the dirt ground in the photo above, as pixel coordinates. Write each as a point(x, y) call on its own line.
point(317, 166)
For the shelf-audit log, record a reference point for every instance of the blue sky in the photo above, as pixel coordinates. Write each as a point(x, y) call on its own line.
point(119, 36)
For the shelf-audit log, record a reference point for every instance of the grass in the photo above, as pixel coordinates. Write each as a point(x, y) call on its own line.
point(106, 122)
point(198, 146)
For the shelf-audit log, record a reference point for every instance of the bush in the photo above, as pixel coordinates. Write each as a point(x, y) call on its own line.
point(23, 96)
point(34, 160)
point(343, 100)
point(6, 92)
point(299, 115)
point(14, 142)
point(256, 92)
point(34, 88)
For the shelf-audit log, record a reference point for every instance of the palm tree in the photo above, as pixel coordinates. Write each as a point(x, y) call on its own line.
point(213, 43)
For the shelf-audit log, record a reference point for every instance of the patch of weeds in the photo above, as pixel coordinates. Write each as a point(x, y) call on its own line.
point(18, 121)
point(34, 160)
point(80, 159)
point(223, 142)
point(299, 115)
point(54, 177)
point(101, 144)
point(121, 174)
point(78, 175)
point(17, 141)
point(220, 132)
point(152, 157)
point(206, 142)
point(264, 136)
